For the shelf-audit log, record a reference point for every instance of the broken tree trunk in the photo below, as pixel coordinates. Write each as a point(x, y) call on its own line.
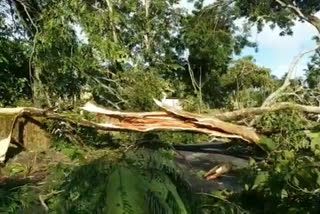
point(172, 120)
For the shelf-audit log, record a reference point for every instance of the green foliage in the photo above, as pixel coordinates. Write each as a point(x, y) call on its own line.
point(141, 183)
point(267, 144)
point(247, 84)
point(289, 184)
point(313, 72)
point(14, 76)
point(131, 193)
point(141, 87)
point(288, 180)
point(284, 128)
point(183, 138)
point(211, 38)
point(68, 149)
point(315, 142)
point(17, 198)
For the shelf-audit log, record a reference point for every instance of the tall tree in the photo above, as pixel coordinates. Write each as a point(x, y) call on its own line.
point(120, 36)
point(247, 84)
point(147, 40)
point(14, 74)
point(212, 37)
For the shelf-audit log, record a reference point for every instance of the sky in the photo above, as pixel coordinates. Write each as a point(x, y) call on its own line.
point(277, 52)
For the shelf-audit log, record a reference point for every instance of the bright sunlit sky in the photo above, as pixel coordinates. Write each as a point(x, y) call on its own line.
point(277, 52)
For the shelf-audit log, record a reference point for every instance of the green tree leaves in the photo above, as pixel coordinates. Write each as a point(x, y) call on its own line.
point(313, 72)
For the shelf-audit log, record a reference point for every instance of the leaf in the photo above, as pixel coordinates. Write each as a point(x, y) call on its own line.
point(175, 66)
point(260, 179)
point(288, 155)
point(166, 188)
point(267, 144)
point(252, 162)
point(125, 192)
point(315, 140)
point(246, 187)
point(296, 181)
point(3, 59)
point(284, 194)
point(130, 191)
point(15, 168)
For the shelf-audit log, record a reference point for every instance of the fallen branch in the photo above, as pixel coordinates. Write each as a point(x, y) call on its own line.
point(217, 171)
point(243, 113)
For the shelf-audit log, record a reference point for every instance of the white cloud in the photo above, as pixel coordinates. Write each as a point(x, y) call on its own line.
point(303, 33)
point(277, 52)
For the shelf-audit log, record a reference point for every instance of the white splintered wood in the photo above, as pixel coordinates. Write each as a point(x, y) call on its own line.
point(4, 145)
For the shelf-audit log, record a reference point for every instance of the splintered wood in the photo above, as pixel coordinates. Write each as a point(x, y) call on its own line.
point(171, 119)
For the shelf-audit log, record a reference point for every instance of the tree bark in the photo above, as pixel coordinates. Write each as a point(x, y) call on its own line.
point(315, 21)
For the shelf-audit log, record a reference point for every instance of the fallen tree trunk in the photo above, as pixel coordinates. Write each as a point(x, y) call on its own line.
point(172, 120)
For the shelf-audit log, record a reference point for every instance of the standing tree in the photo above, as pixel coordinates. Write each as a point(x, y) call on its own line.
point(313, 72)
point(211, 37)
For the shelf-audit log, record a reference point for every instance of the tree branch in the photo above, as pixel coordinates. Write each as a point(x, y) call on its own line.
point(243, 113)
point(313, 20)
point(296, 10)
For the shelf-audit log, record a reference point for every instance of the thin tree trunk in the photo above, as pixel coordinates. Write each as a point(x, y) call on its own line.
point(113, 27)
point(38, 90)
point(146, 4)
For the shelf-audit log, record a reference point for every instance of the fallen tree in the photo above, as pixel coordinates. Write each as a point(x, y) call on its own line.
point(170, 119)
